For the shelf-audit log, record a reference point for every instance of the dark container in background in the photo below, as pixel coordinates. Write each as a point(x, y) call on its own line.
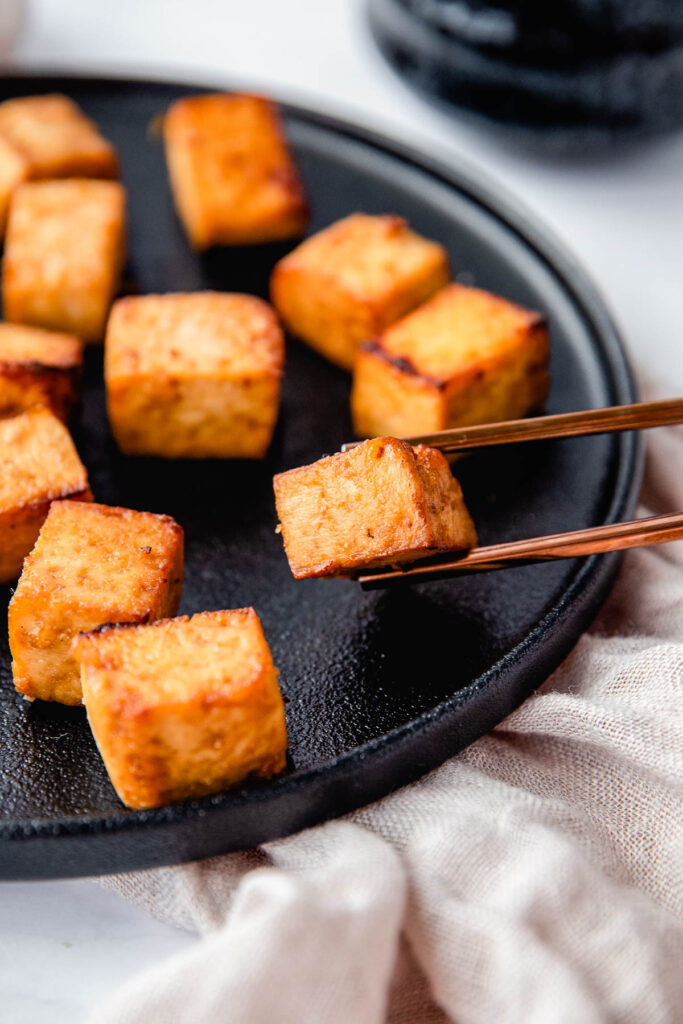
point(569, 73)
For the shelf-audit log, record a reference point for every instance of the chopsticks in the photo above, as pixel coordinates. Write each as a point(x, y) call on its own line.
point(640, 416)
point(576, 544)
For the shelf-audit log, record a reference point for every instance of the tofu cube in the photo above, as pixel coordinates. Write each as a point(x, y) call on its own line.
point(193, 375)
point(232, 175)
point(56, 139)
point(92, 564)
point(464, 357)
point(347, 283)
point(63, 255)
point(39, 368)
point(14, 169)
point(38, 465)
point(172, 722)
point(381, 503)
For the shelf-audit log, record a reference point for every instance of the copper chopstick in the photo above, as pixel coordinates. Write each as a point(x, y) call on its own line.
point(639, 416)
point(576, 544)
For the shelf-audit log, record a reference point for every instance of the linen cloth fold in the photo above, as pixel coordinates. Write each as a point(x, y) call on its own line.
point(537, 877)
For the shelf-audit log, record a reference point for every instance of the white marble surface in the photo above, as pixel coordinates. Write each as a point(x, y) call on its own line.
point(63, 944)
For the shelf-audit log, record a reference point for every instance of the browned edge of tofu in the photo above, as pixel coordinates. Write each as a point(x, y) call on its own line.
point(28, 384)
point(374, 347)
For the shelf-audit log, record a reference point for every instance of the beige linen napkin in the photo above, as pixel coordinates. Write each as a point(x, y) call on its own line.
point(535, 878)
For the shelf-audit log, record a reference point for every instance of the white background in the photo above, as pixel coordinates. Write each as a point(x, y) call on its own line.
point(64, 944)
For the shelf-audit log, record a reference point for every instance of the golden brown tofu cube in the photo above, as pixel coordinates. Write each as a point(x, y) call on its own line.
point(14, 169)
point(38, 464)
point(233, 178)
point(381, 503)
point(464, 357)
point(347, 283)
point(172, 721)
point(56, 139)
point(39, 368)
point(193, 376)
point(92, 564)
point(63, 255)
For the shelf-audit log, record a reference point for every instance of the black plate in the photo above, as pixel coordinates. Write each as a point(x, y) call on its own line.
point(380, 687)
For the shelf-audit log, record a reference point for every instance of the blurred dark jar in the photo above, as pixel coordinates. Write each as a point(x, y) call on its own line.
point(567, 71)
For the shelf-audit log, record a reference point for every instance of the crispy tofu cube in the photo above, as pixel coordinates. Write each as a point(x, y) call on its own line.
point(347, 283)
point(464, 357)
point(92, 564)
point(183, 707)
point(56, 139)
point(38, 465)
point(14, 168)
point(233, 178)
point(194, 375)
point(381, 503)
point(63, 255)
point(39, 368)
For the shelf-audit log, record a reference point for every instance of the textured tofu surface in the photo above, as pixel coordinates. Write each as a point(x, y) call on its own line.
point(56, 139)
point(347, 283)
point(14, 168)
point(38, 464)
point(183, 707)
point(233, 178)
point(381, 503)
point(464, 357)
point(38, 460)
point(92, 564)
point(63, 255)
point(193, 375)
point(39, 367)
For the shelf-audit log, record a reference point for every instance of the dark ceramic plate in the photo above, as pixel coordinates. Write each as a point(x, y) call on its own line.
point(380, 687)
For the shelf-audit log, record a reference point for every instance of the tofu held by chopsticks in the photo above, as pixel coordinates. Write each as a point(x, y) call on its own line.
point(381, 503)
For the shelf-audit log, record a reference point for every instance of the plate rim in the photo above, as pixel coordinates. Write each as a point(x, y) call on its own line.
point(593, 575)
